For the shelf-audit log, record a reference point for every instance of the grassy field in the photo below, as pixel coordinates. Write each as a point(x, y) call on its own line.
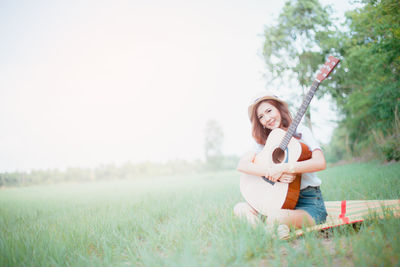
point(186, 221)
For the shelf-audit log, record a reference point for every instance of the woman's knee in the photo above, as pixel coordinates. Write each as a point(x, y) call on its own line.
point(242, 209)
point(239, 209)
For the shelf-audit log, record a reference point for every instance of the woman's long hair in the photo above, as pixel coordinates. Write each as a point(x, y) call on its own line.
point(260, 133)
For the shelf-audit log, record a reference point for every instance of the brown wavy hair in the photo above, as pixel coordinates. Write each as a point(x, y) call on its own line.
point(260, 133)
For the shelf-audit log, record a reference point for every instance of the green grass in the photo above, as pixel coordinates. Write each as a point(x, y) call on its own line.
point(185, 221)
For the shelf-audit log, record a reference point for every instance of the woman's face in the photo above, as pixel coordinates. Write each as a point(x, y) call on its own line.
point(269, 116)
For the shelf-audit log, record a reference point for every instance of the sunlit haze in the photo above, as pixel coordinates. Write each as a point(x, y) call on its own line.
point(89, 82)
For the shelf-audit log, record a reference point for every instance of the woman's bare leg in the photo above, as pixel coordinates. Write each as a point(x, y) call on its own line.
point(244, 210)
point(296, 218)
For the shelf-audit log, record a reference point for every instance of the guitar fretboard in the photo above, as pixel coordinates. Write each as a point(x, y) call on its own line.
point(292, 128)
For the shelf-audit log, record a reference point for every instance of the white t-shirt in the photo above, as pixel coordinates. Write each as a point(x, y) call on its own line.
point(309, 178)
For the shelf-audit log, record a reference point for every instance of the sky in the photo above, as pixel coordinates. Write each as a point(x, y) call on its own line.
point(84, 83)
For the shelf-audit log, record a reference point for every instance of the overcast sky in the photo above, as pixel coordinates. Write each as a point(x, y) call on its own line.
point(90, 82)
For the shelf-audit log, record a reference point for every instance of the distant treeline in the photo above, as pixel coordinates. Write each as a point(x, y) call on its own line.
point(111, 171)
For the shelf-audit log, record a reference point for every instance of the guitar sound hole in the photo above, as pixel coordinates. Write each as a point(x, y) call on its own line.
point(278, 155)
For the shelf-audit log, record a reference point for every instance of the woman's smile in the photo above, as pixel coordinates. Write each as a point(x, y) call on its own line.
point(271, 124)
point(269, 116)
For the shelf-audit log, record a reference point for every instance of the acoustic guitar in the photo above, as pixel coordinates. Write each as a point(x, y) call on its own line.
point(281, 147)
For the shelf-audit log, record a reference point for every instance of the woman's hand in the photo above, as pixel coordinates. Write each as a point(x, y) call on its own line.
point(279, 172)
point(275, 172)
point(287, 178)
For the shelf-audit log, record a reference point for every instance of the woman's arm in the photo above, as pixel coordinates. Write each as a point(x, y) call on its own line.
point(246, 165)
point(316, 163)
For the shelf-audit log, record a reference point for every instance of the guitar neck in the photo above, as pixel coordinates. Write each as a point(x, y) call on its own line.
point(300, 113)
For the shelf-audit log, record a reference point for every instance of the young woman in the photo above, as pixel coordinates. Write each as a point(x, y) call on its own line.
point(267, 112)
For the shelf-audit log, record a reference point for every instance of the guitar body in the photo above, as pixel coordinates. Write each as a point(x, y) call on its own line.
point(265, 196)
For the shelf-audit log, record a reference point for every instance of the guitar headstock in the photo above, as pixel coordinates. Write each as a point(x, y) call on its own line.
point(327, 68)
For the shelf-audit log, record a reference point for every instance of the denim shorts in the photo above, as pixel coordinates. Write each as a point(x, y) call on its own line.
point(311, 201)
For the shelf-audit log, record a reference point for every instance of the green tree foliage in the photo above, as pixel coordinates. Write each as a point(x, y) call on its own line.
point(293, 45)
point(367, 90)
point(366, 86)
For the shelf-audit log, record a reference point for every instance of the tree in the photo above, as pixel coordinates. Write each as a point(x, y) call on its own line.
point(293, 45)
point(214, 137)
point(367, 91)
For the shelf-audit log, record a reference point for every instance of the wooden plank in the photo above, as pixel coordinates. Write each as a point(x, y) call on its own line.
point(354, 211)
